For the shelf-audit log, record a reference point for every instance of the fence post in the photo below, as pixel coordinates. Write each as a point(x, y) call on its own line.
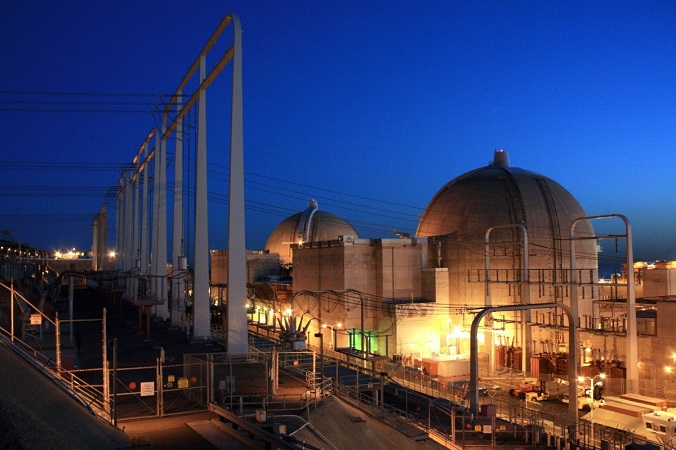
point(160, 394)
point(114, 411)
point(11, 309)
point(210, 379)
point(58, 344)
point(104, 362)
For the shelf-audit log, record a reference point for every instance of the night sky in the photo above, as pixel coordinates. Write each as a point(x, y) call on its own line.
point(369, 107)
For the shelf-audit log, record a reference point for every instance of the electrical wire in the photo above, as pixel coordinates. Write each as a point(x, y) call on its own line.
point(384, 216)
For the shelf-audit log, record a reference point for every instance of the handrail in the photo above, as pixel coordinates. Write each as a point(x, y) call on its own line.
point(269, 438)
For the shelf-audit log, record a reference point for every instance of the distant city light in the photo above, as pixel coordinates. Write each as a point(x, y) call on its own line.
point(70, 254)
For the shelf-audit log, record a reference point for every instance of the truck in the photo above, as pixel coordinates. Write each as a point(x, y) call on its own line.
point(662, 423)
point(586, 399)
point(531, 390)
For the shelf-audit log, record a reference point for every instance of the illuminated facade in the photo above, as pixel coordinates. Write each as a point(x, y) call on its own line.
point(414, 299)
point(421, 291)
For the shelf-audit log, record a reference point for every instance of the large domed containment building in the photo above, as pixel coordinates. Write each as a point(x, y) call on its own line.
point(310, 225)
point(480, 218)
point(503, 198)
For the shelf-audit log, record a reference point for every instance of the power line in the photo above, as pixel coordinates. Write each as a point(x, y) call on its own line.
point(81, 102)
point(85, 94)
point(87, 111)
point(63, 166)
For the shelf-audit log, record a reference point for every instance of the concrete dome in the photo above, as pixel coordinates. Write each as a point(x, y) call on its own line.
point(307, 226)
point(498, 195)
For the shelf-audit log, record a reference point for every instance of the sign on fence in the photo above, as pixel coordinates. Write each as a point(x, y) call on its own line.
point(147, 388)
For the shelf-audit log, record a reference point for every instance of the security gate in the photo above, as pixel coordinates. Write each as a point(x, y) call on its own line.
point(160, 390)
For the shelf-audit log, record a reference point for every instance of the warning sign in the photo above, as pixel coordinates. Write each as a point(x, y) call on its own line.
point(147, 388)
point(36, 319)
point(183, 383)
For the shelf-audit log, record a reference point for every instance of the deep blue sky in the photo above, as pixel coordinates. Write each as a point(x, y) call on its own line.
point(368, 106)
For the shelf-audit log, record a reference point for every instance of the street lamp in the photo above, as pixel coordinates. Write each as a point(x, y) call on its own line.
point(334, 334)
point(591, 396)
point(320, 335)
point(670, 377)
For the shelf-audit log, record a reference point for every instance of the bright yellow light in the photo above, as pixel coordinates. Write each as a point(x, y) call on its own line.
point(70, 254)
point(339, 324)
point(288, 312)
point(459, 333)
point(668, 369)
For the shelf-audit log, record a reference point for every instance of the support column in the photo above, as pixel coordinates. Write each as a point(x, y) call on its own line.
point(145, 213)
point(119, 244)
point(136, 227)
point(95, 244)
point(154, 263)
point(237, 276)
point(177, 236)
point(632, 332)
point(162, 309)
point(201, 302)
point(128, 235)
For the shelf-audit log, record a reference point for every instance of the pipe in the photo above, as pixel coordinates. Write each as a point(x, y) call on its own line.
point(474, 352)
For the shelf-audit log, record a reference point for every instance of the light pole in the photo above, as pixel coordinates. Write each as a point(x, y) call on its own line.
point(670, 374)
point(334, 334)
point(320, 335)
point(669, 370)
point(592, 384)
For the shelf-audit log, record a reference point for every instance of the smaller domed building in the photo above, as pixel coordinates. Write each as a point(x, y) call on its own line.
point(310, 225)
